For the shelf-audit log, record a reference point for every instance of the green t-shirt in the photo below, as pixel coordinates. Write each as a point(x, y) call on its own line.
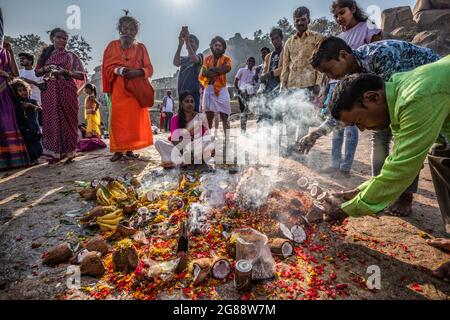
point(419, 109)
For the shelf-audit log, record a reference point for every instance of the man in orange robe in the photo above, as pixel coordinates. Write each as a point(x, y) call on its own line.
point(123, 60)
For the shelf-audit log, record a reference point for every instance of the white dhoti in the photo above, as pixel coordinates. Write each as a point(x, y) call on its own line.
point(213, 103)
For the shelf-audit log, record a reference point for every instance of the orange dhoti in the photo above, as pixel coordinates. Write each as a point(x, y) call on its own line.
point(130, 124)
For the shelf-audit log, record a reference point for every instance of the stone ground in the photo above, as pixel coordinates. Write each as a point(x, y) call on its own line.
point(38, 206)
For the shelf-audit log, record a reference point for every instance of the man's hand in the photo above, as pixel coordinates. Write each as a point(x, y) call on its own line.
point(346, 195)
point(181, 39)
point(307, 143)
point(335, 216)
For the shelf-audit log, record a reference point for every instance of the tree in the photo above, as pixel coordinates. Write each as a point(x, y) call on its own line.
point(262, 40)
point(33, 44)
point(78, 45)
point(287, 27)
point(325, 27)
point(29, 43)
point(321, 25)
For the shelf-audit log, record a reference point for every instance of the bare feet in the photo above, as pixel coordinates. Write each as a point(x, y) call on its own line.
point(443, 272)
point(402, 207)
point(69, 160)
point(440, 244)
point(116, 157)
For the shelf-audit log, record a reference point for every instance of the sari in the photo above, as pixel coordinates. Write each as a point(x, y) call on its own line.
point(60, 107)
point(13, 152)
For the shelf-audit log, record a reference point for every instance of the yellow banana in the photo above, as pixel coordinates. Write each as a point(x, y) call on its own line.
point(119, 186)
point(102, 199)
point(109, 209)
point(114, 221)
point(112, 216)
point(107, 227)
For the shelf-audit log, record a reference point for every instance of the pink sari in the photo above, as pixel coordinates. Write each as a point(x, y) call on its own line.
point(60, 108)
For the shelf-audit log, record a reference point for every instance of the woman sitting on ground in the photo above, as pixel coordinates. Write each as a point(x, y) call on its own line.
point(187, 124)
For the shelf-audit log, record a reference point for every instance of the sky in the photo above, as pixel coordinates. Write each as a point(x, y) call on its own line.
point(161, 20)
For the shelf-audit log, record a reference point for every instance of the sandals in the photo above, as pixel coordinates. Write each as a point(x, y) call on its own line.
point(132, 155)
point(116, 157)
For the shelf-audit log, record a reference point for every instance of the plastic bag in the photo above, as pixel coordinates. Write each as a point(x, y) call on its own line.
point(198, 218)
point(253, 246)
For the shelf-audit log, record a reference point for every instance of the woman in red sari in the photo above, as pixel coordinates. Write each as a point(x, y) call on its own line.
point(64, 75)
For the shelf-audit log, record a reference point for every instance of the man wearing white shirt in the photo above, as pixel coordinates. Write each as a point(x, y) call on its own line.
point(245, 86)
point(168, 108)
point(29, 76)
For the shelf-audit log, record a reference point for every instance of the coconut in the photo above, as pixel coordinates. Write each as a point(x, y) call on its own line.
point(97, 244)
point(92, 265)
point(221, 268)
point(88, 194)
point(201, 270)
point(60, 254)
point(281, 247)
point(94, 213)
point(125, 258)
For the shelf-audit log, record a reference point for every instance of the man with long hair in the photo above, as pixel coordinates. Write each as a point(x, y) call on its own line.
point(213, 77)
point(126, 59)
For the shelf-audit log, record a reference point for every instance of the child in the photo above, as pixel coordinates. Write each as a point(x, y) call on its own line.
point(92, 112)
point(182, 125)
point(26, 110)
point(356, 26)
point(357, 31)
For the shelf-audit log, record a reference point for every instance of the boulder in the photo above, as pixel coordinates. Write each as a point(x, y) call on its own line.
point(433, 19)
point(397, 17)
point(422, 5)
point(437, 40)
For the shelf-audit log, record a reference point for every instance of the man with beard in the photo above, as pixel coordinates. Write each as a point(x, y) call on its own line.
point(297, 72)
point(213, 77)
point(124, 60)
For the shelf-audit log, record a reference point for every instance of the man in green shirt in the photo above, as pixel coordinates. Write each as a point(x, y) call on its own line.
point(416, 105)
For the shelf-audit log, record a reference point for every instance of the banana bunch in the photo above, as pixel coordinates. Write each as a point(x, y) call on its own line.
point(118, 191)
point(110, 221)
point(104, 197)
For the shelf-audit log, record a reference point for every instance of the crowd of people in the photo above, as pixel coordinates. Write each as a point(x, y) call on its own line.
point(357, 80)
